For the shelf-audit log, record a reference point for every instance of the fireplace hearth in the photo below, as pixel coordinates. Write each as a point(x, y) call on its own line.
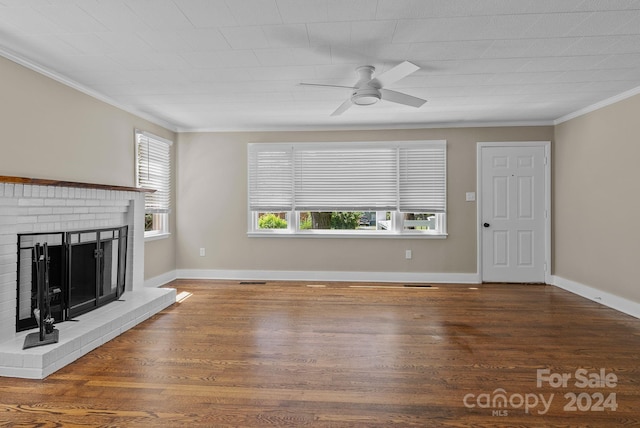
point(87, 269)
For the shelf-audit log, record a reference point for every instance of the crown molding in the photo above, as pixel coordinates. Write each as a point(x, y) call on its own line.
point(597, 106)
point(325, 127)
point(12, 56)
point(34, 66)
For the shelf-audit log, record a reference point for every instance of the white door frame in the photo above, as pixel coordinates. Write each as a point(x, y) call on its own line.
point(547, 199)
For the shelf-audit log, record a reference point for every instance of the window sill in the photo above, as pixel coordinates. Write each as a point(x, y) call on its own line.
point(342, 234)
point(156, 236)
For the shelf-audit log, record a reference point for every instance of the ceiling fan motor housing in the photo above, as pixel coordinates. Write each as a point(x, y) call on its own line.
point(365, 96)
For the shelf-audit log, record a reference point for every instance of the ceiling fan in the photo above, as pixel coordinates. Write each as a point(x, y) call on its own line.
point(369, 90)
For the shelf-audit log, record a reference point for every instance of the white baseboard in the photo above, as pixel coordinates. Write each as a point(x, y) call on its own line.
point(618, 303)
point(280, 275)
point(160, 280)
point(612, 301)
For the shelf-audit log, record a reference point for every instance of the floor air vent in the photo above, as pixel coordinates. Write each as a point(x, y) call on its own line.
point(252, 282)
point(418, 285)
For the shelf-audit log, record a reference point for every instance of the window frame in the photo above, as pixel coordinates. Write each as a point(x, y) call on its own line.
point(162, 205)
point(397, 217)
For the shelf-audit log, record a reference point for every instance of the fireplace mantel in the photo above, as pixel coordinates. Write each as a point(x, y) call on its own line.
point(75, 184)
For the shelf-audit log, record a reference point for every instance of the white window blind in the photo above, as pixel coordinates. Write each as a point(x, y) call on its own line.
point(270, 178)
point(153, 171)
point(345, 179)
point(405, 176)
point(422, 181)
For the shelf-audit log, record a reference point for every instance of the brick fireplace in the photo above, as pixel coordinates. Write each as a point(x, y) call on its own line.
point(39, 206)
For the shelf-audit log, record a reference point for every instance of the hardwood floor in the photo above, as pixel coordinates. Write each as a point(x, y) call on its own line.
point(350, 354)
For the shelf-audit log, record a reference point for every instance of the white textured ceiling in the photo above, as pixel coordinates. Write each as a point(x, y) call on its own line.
point(236, 64)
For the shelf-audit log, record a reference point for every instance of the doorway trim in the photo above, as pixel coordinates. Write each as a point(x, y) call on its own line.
point(547, 200)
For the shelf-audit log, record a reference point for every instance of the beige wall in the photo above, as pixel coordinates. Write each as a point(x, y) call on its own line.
point(49, 130)
point(596, 207)
point(212, 207)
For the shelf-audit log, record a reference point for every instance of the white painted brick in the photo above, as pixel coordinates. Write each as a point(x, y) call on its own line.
point(70, 217)
point(65, 192)
point(7, 219)
point(55, 202)
point(6, 259)
point(40, 210)
point(80, 210)
point(101, 194)
point(10, 293)
point(7, 269)
point(44, 191)
point(51, 191)
point(26, 192)
point(8, 239)
point(25, 219)
point(8, 229)
point(58, 194)
point(76, 203)
point(8, 307)
point(17, 190)
point(62, 210)
point(9, 211)
point(26, 228)
point(48, 218)
point(8, 189)
point(34, 202)
point(1, 190)
point(72, 193)
point(32, 360)
point(92, 203)
point(8, 202)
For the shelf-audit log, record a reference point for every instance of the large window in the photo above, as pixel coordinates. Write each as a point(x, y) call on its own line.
point(361, 189)
point(153, 171)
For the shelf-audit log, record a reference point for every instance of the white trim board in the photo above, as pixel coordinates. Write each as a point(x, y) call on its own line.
point(612, 301)
point(607, 299)
point(597, 106)
point(280, 275)
point(162, 279)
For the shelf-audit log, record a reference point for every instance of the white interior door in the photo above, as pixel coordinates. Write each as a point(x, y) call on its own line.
point(512, 213)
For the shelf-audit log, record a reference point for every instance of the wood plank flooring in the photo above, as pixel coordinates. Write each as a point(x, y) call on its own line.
point(296, 354)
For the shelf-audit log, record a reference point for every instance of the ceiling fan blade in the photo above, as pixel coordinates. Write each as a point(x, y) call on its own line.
point(323, 85)
point(390, 76)
point(400, 98)
point(343, 107)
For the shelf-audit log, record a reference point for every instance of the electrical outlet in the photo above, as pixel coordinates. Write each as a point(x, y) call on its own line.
point(202, 252)
point(407, 254)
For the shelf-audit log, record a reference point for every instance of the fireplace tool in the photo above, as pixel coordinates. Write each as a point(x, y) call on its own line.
point(47, 333)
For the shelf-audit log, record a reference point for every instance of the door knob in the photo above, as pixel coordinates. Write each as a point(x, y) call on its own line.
point(486, 225)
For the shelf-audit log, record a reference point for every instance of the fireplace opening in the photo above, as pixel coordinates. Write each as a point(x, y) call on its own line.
point(87, 269)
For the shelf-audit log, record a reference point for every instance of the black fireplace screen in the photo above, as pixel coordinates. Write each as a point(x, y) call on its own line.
point(87, 270)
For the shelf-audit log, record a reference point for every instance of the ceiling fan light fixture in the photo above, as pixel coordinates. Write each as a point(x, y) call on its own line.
point(365, 97)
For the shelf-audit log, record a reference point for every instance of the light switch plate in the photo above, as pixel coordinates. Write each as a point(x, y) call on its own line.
point(471, 196)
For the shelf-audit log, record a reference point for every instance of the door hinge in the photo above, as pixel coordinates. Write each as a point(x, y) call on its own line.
point(545, 267)
point(546, 159)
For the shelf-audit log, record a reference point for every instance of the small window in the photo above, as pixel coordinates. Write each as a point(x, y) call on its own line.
point(153, 171)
